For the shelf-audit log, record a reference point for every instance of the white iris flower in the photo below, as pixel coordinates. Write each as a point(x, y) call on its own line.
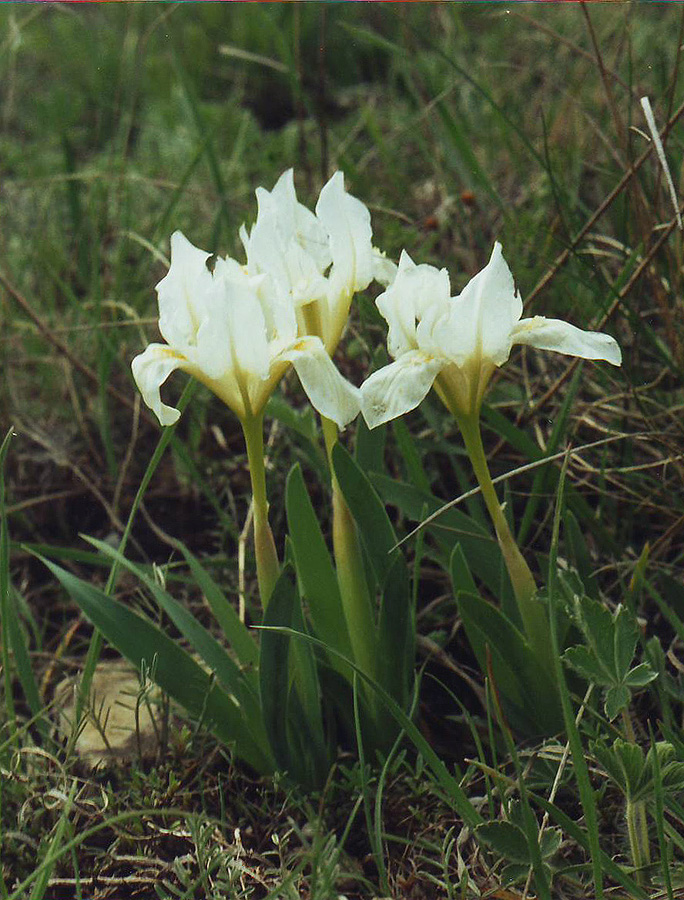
point(237, 335)
point(457, 342)
point(316, 261)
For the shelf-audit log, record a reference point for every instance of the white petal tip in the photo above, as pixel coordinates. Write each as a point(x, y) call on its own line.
point(150, 370)
point(613, 352)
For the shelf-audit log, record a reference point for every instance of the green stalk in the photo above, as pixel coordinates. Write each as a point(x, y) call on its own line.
point(635, 815)
point(351, 574)
point(634, 832)
point(532, 611)
point(268, 567)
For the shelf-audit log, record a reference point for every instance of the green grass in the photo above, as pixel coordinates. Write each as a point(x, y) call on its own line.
point(457, 124)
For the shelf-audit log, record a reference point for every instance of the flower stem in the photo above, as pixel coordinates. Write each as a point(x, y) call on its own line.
point(351, 575)
point(268, 567)
point(532, 611)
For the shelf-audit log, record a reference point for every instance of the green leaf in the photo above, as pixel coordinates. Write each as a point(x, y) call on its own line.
point(414, 466)
point(640, 676)
point(292, 718)
point(461, 577)
point(22, 661)
point(608, 762)
point(617, 698)
point(369, 451)
point(513, 874)
point(369, 513)
point(653, 761)
point(305, 725)
point(315, 572)
point(241, 682)
point(396, 631)
point(662, 766)
point(518, 438)
point(583, 661)
point(673, 777)
point(624, 763)
point(663, 772)
point(487, 628)
point(518, 675)
point(550, 842)
point(274, 669)
point(175, 671)
point(612, 641)
point(236, 632)
point(664, 750)
point(65, 553)
point(302, 423)
point(597, 624)
point(451, 527)
point(633, 762)
point(443, 776)
point(583, 839)
point(506, 840)
point(626, 635)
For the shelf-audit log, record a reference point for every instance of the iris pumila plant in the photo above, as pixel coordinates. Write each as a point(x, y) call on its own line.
point(454, 344)
point(238, 328)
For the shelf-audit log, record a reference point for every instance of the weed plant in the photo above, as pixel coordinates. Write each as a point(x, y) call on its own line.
point(458, 125)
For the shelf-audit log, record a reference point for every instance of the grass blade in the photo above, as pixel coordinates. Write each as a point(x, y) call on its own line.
point(451, 786)
point(174, 670)
point(14, 647)
point(53, 852)
point(586, 792)
point(235, 631)
point(240, 682)
point(452, 526)
point(95, 646)
point(659, 815)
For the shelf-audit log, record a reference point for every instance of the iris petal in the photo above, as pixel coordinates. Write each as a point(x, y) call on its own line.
point(151, 368)
point(331, 394)
point(399, 387)
point(348, 224)
point(184, 293)
point(554, 334)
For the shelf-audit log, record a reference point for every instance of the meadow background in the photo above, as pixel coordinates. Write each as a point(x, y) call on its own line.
point(457, 124)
